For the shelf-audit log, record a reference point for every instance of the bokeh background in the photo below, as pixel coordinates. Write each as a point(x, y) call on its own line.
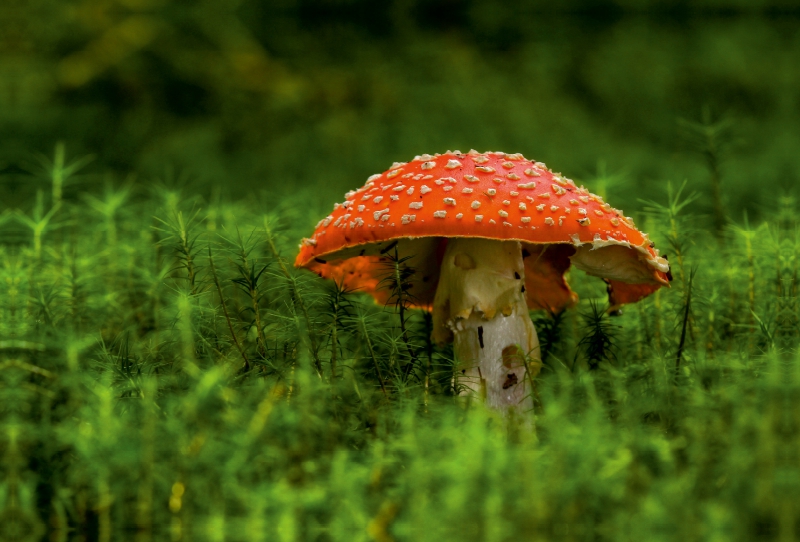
point(157, 359)
point(277, 96)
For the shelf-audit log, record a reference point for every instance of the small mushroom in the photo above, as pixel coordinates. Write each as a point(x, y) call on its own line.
point(488, 252)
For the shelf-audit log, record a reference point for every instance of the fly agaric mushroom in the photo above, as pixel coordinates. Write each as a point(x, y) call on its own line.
point(490, 235)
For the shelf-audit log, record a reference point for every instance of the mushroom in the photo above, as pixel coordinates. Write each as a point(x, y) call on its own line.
point(490, 236)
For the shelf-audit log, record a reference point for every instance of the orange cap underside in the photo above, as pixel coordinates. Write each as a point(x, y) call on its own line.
point(489, 195)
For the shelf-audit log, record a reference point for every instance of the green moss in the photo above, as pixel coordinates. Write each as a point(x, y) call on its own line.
point(146, 389)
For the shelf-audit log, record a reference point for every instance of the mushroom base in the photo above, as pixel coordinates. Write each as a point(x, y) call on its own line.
point(491, 356)
point(480, 306)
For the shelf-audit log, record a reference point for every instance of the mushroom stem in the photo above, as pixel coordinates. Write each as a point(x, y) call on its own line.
point(480, 306)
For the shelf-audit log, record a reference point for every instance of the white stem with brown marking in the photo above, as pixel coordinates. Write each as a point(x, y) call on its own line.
point(480, 306)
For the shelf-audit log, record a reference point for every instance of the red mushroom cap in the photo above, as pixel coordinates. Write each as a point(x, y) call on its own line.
point(416, 206)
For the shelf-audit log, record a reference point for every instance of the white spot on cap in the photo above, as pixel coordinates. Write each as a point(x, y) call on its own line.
point(584, 221)
point(558, 190)
point(309, 242)
point(582, 211)
point(394, 197)
point(428, 165)
point(553, 208)
point(385, 218)
point(466, 190)
point(394, 173)
point(396, 165)
point(491, 192)
point(574, 202)
point(480, 159)
point(506, 223)
point(615, 221)
point(540, 207)
point(502, 213)
point(598, 212)
point(452, 164)
point(522, 206)
point(372, 178)
point(449, 201)
point(377, 214)
point(512, 176)
point(366, 197)
point(357, 222)
point(377, 199)
point(410, 191)
point(491, 221)
point(584, 199)
point(327, 221)
point(471, 178)
point(449, 180)
point(440, 182)
point(549, 221)
point(415, 205)
point(361, 208)
point(475, 204)
point(485, 169)
point(447, 188)
point(405, 219)
point(508, 165)
point(398, 188)
point(545, 195)
point(460, 216)
point(478, 218)
point(525, 219)
point(425, 189)
point(530, 172)
point(439, 214)
point(527, 186)
point(339, 221)
point(506, 202)
point(514, 194)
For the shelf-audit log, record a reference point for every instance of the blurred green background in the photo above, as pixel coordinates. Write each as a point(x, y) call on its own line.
point(124, 400)
point(278, 96)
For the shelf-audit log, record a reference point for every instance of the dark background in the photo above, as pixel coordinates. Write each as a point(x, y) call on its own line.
point(280, 96)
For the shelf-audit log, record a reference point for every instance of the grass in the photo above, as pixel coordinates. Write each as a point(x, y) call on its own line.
point(166, 372)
